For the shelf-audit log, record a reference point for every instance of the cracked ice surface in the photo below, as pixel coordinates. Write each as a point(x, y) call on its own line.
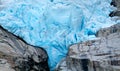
point(55, 24)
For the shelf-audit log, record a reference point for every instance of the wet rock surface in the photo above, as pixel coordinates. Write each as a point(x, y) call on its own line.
point(16, 55)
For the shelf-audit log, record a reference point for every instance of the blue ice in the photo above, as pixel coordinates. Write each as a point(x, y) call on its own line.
point(55, 24)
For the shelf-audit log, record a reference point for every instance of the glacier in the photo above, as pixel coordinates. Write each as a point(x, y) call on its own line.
point(54, 25)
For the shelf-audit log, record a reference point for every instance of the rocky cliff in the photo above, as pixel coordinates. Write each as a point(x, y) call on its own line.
point(16, 55)
point(100, 54)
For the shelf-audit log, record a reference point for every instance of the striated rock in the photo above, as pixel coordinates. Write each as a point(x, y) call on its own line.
point(107, 31)
point(16, 55)
point(100, 54)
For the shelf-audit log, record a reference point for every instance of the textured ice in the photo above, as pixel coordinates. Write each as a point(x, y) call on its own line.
point(55, 24)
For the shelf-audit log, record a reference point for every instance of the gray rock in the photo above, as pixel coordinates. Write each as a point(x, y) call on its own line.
point(100, 54)
point(107, 31)
point(5, 66)
point(115, 3)
point(19, 55)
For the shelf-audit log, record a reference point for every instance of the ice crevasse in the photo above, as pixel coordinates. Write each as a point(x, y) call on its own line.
point(55, 24)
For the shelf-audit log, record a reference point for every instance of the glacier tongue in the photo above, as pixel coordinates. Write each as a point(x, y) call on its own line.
point(55, 24)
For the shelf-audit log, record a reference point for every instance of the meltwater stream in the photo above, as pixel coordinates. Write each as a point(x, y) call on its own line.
point(55, 24)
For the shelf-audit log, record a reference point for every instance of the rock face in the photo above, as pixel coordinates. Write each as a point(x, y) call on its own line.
point(16, 55)
point(101, 54)
point(115, 3)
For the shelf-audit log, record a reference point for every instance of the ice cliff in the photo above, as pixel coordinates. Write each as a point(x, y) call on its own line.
point(55, 24)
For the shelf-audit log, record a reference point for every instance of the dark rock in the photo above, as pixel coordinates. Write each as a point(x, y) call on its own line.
point(20, 55)
point(115, 3)
point(114, 13)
